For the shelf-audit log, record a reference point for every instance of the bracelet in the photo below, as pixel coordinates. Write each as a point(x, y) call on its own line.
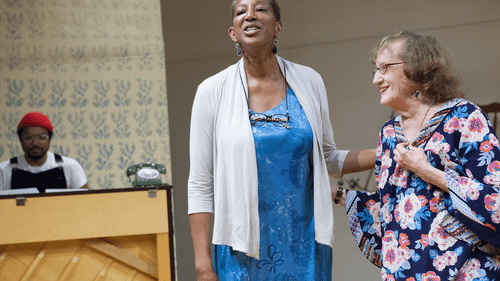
point(338, 195)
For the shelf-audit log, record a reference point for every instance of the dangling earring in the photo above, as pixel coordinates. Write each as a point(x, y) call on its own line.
point(275, 50)
point(238, 49)
point(416, 94)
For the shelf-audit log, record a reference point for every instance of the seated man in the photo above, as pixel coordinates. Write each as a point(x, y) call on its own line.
point(39, 167)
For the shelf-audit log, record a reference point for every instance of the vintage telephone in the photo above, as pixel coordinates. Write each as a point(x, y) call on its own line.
point(146, 174)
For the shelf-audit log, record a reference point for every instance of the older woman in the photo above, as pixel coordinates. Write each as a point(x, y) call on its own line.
point(436, 212)
point(261, 151)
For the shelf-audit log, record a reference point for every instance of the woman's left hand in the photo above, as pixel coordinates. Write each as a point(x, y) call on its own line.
point(414, 159)
point(410, 158)
point(334, 195)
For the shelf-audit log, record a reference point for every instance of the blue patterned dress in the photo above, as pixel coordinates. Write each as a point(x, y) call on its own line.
point(288, 250)
point(414, 231)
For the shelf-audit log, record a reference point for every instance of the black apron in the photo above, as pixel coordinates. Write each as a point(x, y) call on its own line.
point(50, 179)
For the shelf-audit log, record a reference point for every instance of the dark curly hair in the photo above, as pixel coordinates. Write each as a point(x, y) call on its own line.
point(427, 64)
point(272, 3)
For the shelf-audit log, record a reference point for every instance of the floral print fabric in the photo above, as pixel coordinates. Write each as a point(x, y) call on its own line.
point(415, 231)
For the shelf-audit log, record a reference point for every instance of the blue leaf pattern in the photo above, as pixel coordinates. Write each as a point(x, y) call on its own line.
point(56, 119)
point(103, 160)
point(101, 127)
point(122, 127)
point(126, 153)
point(122, 89)
point(14, 98)
point(162, 118)
point(58, 61)
point(78, 95)
point(143, 128)
point(79, 125)
point(149, 150)
point(35, 96)
point(100, 98)
point(57, 95)
point(84, 64)
point(11, 121)
point(144, 95)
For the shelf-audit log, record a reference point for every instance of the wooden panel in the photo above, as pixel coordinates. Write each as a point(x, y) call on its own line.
point(163, 256)
point(3, 255)
point(83, 216)
point(53, 238)
point(142, 246)
point(123, 256)
point(58, 255)
point(73, 261)
point(70, 266)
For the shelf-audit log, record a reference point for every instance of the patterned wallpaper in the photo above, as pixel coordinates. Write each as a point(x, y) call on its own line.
point(96, 69)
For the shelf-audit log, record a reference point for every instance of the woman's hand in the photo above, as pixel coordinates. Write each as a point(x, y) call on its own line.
point(205, 269)
point(411, 158)
point(414, 159)
point(334, 194)
point(207, 275)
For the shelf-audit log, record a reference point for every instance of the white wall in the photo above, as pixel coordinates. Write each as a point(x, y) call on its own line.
point(334, 38)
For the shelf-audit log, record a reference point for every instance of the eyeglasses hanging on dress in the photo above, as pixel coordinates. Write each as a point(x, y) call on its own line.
point(259, 119)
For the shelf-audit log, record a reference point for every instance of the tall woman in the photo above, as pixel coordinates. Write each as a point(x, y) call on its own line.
point(261, 151)
point(436, 212)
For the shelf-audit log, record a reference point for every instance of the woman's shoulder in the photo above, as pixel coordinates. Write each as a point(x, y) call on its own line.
point(392, 121)
point(460, 106)
point(457, 102)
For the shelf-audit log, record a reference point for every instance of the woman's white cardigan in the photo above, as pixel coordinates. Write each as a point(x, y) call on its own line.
point(223, 164)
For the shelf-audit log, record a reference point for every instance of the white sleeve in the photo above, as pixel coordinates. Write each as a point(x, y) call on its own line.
point(334, 158)
point(201, 148)
point(4, 177)
point(74, 173)
point(2, 186)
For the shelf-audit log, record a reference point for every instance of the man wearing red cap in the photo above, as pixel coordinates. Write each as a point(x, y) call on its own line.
point(39, 167)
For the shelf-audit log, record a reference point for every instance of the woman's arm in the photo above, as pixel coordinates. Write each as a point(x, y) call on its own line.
point(201, 224)
point(355, 161)
point(200, 182)
point(358, 161)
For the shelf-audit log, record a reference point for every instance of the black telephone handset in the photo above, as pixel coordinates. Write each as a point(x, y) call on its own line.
point(146, 174)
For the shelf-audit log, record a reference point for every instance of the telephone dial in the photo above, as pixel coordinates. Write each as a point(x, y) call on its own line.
point(146, 174)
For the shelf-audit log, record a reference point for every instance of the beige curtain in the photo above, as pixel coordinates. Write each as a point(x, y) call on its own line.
point(96, 68)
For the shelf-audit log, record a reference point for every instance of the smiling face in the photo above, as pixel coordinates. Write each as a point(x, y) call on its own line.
point(254, 25)
point(395, 88)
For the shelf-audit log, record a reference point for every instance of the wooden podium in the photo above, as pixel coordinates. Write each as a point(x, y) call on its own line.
point(119, 234)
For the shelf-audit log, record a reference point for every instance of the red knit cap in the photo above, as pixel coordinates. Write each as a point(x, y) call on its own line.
point(36, 119)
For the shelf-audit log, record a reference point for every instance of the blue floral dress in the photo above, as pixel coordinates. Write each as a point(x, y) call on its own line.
point(288, 250)
point(414, 231)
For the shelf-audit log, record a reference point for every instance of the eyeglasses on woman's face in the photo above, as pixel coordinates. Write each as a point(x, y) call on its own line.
point(382, 68)
point(279, 120)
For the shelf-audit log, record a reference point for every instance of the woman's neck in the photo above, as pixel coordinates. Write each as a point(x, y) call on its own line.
point(419, 113)
point(262, 66)
point(412, 111)
point(266, 83)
